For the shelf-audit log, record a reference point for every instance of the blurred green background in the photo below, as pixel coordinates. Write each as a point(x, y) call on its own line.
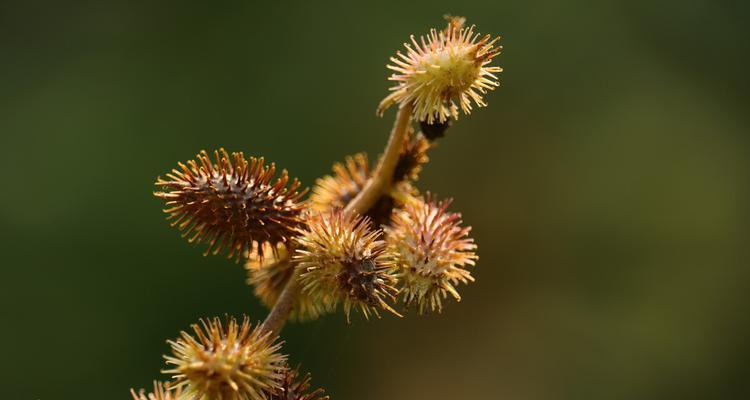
point(607, 184)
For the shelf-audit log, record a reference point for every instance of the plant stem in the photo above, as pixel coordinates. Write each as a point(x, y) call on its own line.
point(283, 307)
point(376, 185)
point(382, 177)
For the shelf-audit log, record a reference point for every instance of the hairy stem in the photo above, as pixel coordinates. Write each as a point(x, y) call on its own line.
point(376, 185)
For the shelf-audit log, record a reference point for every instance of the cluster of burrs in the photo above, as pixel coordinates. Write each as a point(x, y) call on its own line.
point(366, 238)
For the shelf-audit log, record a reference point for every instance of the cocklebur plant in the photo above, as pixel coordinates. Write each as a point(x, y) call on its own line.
point(366, 239)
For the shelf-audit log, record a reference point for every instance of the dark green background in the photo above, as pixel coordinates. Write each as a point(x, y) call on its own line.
point(607, 184)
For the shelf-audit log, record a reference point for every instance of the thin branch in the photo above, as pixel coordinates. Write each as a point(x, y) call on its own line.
point(283, 307)
point(382, 177)
point(379, 183)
